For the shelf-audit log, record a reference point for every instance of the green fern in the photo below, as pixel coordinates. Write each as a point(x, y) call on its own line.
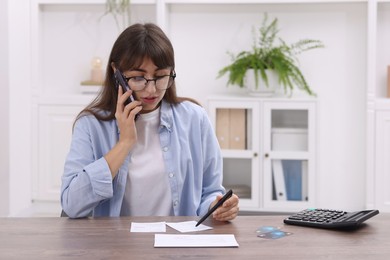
point(266, 54)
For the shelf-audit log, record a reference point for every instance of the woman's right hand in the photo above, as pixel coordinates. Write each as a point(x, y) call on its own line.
point(125, 117)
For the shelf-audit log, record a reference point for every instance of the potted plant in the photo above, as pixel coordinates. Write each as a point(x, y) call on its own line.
point(267, 55)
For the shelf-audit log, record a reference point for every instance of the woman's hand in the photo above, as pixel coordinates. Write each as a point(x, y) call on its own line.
point(125, 116)
point(228, 210)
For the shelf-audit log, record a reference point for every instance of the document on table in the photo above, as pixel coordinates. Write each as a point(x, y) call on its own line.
point(159, 227)
point(212, 240)
point(148, 227)
point(188, 226)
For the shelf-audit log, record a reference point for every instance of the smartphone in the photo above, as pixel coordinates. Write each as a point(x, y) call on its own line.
point(120, 80)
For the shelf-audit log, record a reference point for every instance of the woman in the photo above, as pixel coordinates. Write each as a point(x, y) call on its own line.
point(157, 155)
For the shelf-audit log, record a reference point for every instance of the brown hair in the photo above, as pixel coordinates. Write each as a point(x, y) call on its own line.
point(134, 44)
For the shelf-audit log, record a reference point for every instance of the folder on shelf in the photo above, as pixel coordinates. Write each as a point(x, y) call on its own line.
point(231, 128)
point(290, 179)
point(222, 127)
point(237, 129)
point(305, 182)
point(292, 172)
point(278, 177)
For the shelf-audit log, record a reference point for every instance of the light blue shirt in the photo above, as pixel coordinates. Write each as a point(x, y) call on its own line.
point(191, 153)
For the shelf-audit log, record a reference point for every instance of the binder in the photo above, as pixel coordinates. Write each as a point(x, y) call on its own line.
point(222, 127)
point(279, 183)
point(290, 180)
point(237, 129)
point(231, 128)
point(293, 177)
point(305, 181)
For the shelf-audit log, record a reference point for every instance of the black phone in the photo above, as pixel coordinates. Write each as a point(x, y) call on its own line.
point(120, 80)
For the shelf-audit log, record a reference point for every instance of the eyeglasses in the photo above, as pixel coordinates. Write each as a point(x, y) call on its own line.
point(139, 83)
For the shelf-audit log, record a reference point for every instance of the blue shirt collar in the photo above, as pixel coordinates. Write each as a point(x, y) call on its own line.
point(166, 116)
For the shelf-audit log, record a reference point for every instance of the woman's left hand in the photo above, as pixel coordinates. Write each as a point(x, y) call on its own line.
point(228, 210)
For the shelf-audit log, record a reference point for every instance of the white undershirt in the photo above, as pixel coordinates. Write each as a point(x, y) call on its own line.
point(147, 191)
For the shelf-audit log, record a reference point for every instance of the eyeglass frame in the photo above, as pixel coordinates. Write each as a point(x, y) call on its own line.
point(171, 75)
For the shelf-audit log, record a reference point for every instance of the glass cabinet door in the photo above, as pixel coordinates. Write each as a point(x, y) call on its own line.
point(237, 175)
point(288, 169)
point(234, 126)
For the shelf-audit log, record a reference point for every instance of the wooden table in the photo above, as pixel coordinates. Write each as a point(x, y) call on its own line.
point(110, 238)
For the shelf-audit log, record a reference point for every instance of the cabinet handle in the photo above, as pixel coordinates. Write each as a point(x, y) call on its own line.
point(266, 155)
point(255, 155)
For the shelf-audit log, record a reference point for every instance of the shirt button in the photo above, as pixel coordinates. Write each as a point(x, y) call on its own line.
point(165, 149)
point(171, 175)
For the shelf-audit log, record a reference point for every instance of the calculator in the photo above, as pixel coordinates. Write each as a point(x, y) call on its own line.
point(329, 218)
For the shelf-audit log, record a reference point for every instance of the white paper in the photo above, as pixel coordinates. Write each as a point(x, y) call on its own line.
point(180, 240)
point(148, 227)
point(188, 226)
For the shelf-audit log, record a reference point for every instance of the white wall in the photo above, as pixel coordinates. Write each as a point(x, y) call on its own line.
point(19, 69)
point(4, 110)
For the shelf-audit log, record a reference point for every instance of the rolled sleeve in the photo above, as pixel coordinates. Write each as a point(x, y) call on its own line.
point(87, 179)
point(100, 178)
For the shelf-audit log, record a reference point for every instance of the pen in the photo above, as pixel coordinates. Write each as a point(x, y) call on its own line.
point(219, 203)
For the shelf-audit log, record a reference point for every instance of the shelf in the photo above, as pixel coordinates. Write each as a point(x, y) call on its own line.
point(80, 99)
point(243, 97)
point(262, 1)
point(77, 2)
point(289, 155)
point(239, 154)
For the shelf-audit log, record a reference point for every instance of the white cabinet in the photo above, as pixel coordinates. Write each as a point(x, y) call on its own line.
point(52, 145)
point(378, 106)
point(382, 162)
point(268, 147)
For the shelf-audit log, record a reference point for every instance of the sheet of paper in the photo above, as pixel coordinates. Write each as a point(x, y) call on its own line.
point(180, 240)
point(188, 226)
point(148, 227)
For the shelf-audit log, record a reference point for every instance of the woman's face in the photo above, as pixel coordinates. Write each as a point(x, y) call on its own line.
point(150, 95)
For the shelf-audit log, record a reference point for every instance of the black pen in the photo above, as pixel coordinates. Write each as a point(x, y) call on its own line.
point(219, 203)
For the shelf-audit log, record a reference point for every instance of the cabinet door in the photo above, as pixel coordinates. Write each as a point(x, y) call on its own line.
point(382, 191)
point(288, 158)
point(238, 135)
point(54, 136)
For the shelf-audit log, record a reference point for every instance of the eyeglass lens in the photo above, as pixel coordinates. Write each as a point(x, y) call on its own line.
point(161, 83)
